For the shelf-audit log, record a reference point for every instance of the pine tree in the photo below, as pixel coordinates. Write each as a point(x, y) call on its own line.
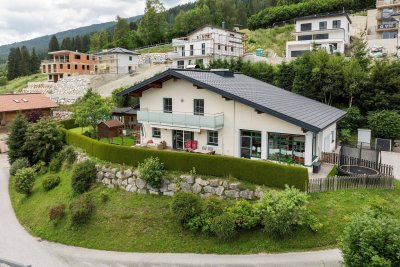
point(25, 62)
point(78, 43)
point(53, 44)
point(13, 65)
point(34, 64)
point(66, 44)
point(17, 138)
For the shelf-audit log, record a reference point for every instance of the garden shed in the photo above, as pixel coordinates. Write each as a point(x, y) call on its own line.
point(110, 129)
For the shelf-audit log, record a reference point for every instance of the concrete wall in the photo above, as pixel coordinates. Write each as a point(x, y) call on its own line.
point(237, 116)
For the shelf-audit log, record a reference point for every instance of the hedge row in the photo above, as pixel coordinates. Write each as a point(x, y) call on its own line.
point(258, 172)
point(267, 17)
point(69, 124)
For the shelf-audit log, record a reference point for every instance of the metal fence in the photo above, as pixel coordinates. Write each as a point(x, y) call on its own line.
point(335, 183)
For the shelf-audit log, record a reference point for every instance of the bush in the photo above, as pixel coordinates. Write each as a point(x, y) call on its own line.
point(152, 171)
point(18, 164)
point(16, 139)
point(51, 182)
point(83, 176)
point(68, 154)
point(185, 206)
point(202, 223)
point(104, 197)
point(278, 175)
point(24, 180)
point(345, 136)
point(40, 167)
point(55, 163)
point(372, 238)
point(56, 213)
point(244, 215)
point(385, 124)
point(81, 209)
point(224, 227)
point(68, 124)
point(283, 212)
point(352, 120)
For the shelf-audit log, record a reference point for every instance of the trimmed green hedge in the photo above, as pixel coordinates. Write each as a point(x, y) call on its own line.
point(68, 124)
point(258, 172)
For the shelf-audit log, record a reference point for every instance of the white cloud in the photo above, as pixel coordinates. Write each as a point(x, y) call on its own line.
point(26, 19)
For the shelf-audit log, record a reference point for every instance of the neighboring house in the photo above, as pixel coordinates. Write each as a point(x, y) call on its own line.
point(66, 63)
point(11, 104)
point(206, 44)
point(234, 115)
point(116, 61)
point(126, 115)
point(382, 28)
point(329, 31)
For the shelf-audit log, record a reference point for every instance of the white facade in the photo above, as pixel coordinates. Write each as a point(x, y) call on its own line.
point(327, 32)
point(205, 45)
point(117, 61)
point(238, 120)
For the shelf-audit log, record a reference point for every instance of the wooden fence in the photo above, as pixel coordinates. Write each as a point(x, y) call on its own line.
point(334, 158)
point(350, 182)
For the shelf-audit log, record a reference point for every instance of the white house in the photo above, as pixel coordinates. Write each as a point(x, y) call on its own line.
point(206, 44)
point(329, 31)
point(234, 115)
point(116, 61)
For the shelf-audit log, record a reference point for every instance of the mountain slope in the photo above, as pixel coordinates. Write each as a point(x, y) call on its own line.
point(41, 43)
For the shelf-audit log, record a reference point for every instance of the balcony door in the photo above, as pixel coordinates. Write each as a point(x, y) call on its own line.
point(179, 138)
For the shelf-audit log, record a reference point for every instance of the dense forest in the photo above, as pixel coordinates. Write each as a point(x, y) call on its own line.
point(21, 62)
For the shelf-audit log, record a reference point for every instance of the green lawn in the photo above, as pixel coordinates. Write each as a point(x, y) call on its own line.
point(18, 84)
point(157, 49)
point(143, 223)
point(127, 140)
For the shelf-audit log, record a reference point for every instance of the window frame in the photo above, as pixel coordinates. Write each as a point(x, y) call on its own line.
point(214, 136)
point(203, 48)
point(305, 27)
point(198, 107)
point(323, 25)
point(167, 107)
point(155, 132)
point(336, 24)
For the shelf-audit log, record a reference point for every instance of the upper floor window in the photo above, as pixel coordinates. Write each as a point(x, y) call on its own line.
point(232, 49)
point(198, 108)
point(77, 56)
point(76, 66)
point(61, 66)
point(389, 35)
point(336, 24)
point(130, 58)
point(191, 50)
point(304, 38)
point(183, 51)
point(321, 36)
point(203, 48)
point(306, 27)
point(219, 47)
point(167, 105)
point(323, 25)
point(87, 57)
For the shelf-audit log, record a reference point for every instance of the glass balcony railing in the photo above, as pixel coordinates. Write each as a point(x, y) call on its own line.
point(179, 119)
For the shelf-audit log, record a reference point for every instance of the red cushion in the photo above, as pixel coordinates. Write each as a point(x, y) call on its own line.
point(150, 141)
point(194, 144)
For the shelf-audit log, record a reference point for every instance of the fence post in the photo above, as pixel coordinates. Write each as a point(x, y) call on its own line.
point(335, 183)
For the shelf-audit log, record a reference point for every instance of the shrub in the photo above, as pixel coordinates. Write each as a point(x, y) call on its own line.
point(104, 197)
point(68, 154)
point(371, 238)
point(40, 167)
point(18, 164)
point(224, 227)
point(16, 138)
point(249, 170)
point(202, 223)
point(51, 182)
point(385, 124)
point(68, 124)
point(185, 206)
point(81, 209)
point(345, 136)
point(55, 163)
point(83, 176)
point(352, 120)
point(244, 214)
point(283, 212)
point(152, 171)
point(24, 180)
point(56, 213)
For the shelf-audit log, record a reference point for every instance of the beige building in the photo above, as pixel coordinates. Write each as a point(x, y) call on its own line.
point(233, 114)
point(116, 61)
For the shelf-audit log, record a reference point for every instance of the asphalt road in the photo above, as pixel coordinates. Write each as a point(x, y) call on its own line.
point(17, 245)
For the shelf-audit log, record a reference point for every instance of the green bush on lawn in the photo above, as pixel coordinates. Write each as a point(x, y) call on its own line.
point(258, 172)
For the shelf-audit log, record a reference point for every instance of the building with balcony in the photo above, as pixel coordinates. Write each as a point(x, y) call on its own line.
point(206, 44)
point(328, 31)
point(116, 61)
point(233, 115)
point(66, 63)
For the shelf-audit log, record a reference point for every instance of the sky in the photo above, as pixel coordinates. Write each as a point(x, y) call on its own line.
point(26, 19)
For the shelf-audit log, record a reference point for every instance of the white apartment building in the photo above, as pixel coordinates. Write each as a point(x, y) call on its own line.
point(206, 44)
point(116, 61)
point(234, 115)
point(329, 31)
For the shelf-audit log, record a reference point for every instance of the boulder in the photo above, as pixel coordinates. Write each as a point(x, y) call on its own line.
point(187, 178)
point(168, 193)
point(234, 186)
point(131, 181)
point(215, 182)
point(141, 184)
point(258, 192)
point(135, 173)
point(100, 175)
point(153, 192)
point(219, 190)
point(209, 189)
point(232, 193)
point(185, 187)
point(119, 175)
point(106, 181)
point(201, 182)
point(246, 194)
point(128, 173)
point(225, 184)
point(172, 187)
point(114, 170)
point(196, 188)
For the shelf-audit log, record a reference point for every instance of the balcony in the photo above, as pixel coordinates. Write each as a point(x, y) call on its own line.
point(387, 3)
point(181, 119)
point(386, 27)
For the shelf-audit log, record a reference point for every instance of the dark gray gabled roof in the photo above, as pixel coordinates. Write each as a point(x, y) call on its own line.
point(299, 110)
point(117, 50)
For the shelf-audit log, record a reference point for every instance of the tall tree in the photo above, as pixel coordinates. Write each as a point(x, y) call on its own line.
point(25, 62)
point(354, 79)
point(13, 65)
point(53, 44)
point(152, 25)
point(34, 64)
point(66, 44)
point(121, 33)
point(17, 138)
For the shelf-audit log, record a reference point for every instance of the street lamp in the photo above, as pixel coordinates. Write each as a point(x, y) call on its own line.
point(396, 17)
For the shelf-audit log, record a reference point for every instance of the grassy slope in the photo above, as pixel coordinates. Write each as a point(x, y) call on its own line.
point(128, 141)
point(274, 38)
point(157, 49)
point(20, 83)
point(143, 223)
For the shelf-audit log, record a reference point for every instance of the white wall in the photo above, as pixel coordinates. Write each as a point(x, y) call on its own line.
point(124, 63)
point(237, 116)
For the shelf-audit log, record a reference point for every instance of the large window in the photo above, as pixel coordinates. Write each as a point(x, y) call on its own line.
point(191, 50)
point(198, 107)
point(212, 138)
point(286, 147)
point(389, 35)
point(250, 144)
point(298, 53)
point(203, 48)
point(304, 38)
point(336, 24)
point(323, 25)
point(167, 105)
point(156, 132)
point(321, 36)
point(306, 27)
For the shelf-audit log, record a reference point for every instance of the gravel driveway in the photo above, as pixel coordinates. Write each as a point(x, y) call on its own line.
point(17, 245)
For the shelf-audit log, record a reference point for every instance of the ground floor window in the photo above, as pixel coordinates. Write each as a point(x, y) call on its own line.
point(286, 147)
point(156, 132)
point(212, 138)
point(180, 138)
point(250, 144)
